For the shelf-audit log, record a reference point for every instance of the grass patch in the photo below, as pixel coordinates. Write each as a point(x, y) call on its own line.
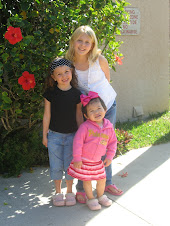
point(155, 130)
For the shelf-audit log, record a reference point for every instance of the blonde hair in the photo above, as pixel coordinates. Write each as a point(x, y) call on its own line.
point(94, 52)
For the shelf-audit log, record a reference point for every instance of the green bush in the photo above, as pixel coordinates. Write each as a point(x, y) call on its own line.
point(45, 28)
point(20, 151)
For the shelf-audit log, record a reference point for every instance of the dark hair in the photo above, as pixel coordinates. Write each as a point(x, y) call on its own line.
point(84, 108)
point(50, 83)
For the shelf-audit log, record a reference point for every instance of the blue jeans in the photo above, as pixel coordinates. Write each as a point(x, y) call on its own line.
point(60, 149)
point(111, 116)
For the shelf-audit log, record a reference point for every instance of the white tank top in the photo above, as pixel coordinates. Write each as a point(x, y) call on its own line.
point(83, 77)
point(94, 79)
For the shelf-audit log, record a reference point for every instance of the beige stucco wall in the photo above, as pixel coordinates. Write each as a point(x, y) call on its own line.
point(143, 78)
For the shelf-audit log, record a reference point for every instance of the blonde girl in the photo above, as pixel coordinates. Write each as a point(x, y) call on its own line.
point(93, 75)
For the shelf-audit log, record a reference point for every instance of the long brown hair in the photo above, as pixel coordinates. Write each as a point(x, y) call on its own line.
point(50, 83)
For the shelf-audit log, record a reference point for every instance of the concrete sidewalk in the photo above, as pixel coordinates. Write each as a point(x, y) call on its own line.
point(26, 200)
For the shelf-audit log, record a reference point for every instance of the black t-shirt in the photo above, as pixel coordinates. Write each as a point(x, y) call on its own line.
point(63, 109)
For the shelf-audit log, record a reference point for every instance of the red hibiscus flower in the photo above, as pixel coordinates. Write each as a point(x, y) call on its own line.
point(27, 80)
point(13, 35)
point(118, 59)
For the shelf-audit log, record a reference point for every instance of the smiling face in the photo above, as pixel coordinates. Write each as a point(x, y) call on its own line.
point(95, 111)
point(83, 45)
point(63, 76)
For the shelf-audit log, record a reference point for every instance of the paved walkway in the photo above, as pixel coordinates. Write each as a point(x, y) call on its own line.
point(26, 200)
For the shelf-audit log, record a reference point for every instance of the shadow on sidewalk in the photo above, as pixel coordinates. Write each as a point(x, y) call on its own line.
point(27, 200)
point(140, 165)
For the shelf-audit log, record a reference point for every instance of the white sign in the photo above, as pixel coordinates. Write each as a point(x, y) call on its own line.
point(134, 27)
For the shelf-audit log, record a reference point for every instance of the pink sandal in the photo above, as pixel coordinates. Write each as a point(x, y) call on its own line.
point(103, 200)
point(82, 194)
point(93, 204)
point(107, 188)
point(70, 199)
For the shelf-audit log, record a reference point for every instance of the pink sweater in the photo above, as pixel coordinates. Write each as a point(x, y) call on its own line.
point(91, 141)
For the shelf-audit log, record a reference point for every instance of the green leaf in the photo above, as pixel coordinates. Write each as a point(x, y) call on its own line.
point(4, 94)
point(82, 2)
point(6, 106)
point(33, 68)
point(16, 59)
point(5, 56)
point(1, 65)
point(49, 54)
point(1, 6)
point(25, 6)
point(60, 53)
point(7, 99)
point(27, 39)
point(18, 111)
point(83, 20)
point(39, 33)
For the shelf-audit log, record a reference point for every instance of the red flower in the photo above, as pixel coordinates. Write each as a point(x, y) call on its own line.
point(118, 59)
point(13, 35)
point(27, 80)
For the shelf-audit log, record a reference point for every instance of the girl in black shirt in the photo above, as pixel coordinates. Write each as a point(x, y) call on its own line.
point(62, 116)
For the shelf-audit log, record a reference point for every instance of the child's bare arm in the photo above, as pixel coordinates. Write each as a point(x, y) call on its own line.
point(46, 120)
point(104, 66)
point(79, 115)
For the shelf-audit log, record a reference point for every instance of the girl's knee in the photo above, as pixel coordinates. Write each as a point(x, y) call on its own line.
point(87, 184)
point(102, 181)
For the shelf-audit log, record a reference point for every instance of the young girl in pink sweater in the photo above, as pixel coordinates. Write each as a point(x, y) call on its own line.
point(93, 138)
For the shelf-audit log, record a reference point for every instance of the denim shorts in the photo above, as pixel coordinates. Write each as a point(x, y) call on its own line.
point(60, 150)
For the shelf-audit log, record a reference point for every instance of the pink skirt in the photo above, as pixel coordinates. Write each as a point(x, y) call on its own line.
point(89, 171)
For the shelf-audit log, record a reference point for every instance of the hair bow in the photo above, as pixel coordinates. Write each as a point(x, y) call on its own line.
point(85, 99)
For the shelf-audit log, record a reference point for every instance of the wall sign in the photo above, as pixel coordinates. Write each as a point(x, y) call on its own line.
point(134, 27)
